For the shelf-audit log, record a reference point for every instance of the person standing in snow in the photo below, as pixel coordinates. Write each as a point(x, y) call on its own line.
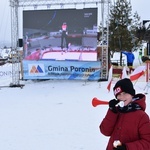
point(128, 126)
point(130, 59)
point(140, 56)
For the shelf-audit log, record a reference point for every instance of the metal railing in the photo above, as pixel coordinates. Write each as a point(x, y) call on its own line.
point(117, 62)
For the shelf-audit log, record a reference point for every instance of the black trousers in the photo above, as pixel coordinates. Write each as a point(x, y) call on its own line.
point(129, 64)
point(64, 37)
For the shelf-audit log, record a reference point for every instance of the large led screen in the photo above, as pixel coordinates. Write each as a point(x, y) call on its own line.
point(61, 34)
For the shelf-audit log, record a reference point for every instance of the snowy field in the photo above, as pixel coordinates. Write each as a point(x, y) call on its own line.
point(55, 115)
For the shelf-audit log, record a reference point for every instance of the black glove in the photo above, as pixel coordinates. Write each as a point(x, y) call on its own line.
point(122, 147)
point(112, 104)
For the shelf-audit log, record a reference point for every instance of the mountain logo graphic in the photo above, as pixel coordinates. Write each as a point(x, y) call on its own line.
point(36, 69)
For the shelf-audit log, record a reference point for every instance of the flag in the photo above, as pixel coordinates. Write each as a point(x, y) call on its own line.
point(110, 77)
point(137, 73)
point(124, 73)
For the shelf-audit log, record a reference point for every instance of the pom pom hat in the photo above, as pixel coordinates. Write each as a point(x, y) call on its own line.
point(124, 85)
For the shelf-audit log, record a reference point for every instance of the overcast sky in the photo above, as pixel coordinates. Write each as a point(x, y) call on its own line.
point(141, 6)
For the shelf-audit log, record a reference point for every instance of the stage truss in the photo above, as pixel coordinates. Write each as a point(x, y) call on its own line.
point(34, 4)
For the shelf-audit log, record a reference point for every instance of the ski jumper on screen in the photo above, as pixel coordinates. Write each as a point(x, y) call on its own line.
point(64, 36)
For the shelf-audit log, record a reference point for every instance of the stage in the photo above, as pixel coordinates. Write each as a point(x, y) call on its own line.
point(77, 53)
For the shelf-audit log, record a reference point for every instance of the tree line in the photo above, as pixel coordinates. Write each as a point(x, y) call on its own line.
point(126, 31)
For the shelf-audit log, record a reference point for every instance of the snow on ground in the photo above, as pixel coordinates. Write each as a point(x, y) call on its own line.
point(54, 115)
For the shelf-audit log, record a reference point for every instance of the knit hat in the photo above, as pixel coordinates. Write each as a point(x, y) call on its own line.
point(124, 85)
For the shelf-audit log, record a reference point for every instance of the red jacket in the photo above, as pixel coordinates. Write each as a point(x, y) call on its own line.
point(131, 128)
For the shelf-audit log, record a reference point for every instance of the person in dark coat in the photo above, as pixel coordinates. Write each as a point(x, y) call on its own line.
point(127, 125)
point(130, 59)
point(140, 56)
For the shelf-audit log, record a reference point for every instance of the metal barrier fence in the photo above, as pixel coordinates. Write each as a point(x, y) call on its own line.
point(117, 62)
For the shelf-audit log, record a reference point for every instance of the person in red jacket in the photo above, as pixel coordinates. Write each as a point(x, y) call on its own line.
point(128, 126)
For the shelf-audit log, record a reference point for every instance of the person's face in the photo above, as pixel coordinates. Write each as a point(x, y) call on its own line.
point(125, 97)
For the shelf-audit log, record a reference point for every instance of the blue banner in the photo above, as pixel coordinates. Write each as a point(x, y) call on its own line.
point(71, 70)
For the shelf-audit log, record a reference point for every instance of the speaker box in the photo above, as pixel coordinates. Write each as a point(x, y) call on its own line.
point(148, 49)
point(20, 42)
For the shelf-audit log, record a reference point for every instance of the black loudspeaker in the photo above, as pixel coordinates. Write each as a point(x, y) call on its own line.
point(148, 49)
point(20, 41)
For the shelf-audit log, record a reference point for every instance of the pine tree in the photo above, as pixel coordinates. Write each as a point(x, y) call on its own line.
point(120, 37)
point(133, 29)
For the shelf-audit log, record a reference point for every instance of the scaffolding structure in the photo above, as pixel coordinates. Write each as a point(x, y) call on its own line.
point(105, 5)
point(47, 4)
point(14, 44)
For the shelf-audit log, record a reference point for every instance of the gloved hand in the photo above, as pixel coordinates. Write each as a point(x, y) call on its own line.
point(122, 147)
point(112, 105)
